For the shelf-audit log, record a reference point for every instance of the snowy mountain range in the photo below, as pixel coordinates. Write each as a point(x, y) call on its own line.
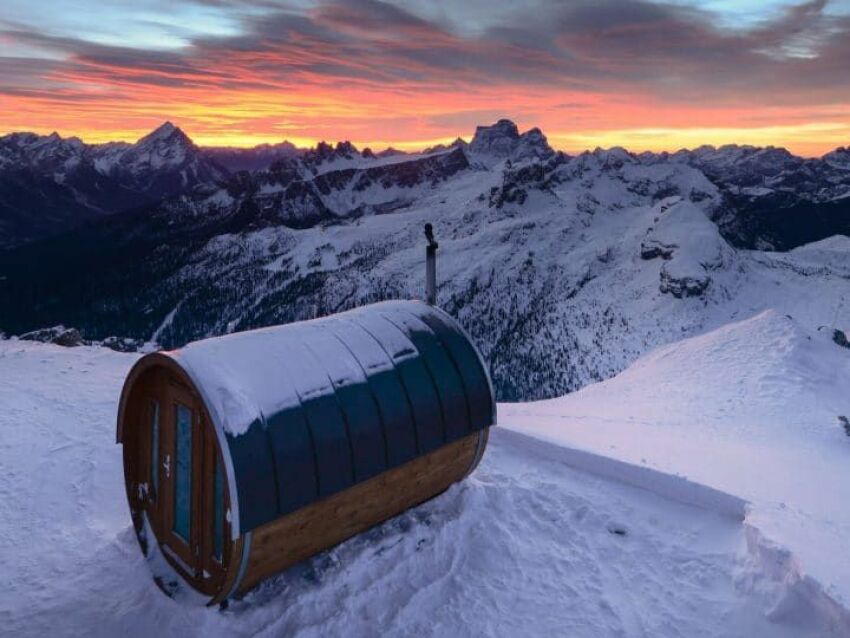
point(564, 269)
point(49, 184)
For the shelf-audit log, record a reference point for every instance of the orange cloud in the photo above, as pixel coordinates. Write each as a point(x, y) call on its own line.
point(651, 77)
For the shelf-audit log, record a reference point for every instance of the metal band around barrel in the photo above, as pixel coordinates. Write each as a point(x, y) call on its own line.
point(243, 564)
point(483, 435)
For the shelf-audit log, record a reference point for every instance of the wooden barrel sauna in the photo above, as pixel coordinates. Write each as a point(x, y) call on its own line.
point(247, 453)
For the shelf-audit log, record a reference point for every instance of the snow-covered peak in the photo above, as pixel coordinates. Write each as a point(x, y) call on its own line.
point(166, 146)
point(162, 132)
point(439, 148)
point(614, 156)
point(767, 160)
point(33, 142)
point(839, 158)
point(19, 138)
point(604, 158)
point(532, 144)
point(502, 140)
point(167, 136)
point(51, 154)
point(771, 177)
point(499, 139)
point(164, 160)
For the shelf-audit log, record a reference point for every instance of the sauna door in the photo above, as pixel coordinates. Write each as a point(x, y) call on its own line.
point(187, 491)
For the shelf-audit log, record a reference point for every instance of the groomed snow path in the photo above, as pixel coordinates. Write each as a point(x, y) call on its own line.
point(525, 547)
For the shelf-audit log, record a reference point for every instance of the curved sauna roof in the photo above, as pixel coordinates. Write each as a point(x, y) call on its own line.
point(306, 410)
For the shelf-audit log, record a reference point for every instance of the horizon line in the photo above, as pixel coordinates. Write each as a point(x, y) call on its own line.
point(418, 146)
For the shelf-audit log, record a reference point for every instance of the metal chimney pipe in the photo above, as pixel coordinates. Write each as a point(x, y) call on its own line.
point(430, 267)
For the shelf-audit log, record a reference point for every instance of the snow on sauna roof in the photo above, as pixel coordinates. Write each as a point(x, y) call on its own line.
point(247, 374)
point(307, 409)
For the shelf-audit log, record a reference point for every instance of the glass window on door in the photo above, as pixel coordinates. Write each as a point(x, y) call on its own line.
point(154, 412)
point(183, 472)
point(218, 511)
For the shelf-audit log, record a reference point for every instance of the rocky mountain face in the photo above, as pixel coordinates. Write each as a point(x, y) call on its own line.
point(165, 161)
point(503, 141)
point(839, 158)
point(774, 200)
point(563, 269)
point(49, 184)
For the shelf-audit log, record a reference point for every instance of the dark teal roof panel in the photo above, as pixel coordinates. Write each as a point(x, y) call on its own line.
point(309, 409)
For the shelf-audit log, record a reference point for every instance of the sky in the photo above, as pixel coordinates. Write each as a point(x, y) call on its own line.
point(643, 74)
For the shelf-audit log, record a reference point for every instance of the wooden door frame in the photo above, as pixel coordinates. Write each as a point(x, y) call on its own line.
point(183, 549)
point(152, 503)
point(209, 564)
point(164, 382)
point(195, 558)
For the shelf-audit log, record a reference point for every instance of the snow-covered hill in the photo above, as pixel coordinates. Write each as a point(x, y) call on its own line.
point(756, 409)
point(539, 541)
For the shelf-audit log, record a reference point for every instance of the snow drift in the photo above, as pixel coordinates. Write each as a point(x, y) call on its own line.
point(751, 409)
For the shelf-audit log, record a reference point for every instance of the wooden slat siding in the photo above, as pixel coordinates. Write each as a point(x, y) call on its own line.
point(292, 538)
point(312, 529)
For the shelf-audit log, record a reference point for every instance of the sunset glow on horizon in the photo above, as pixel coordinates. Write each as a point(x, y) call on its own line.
point(635, 73)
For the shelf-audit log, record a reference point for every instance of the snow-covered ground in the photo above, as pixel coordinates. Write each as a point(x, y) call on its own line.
point(576, 525)
point(751, 409)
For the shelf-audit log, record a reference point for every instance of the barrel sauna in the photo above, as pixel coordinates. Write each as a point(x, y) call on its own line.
point(247, 453)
